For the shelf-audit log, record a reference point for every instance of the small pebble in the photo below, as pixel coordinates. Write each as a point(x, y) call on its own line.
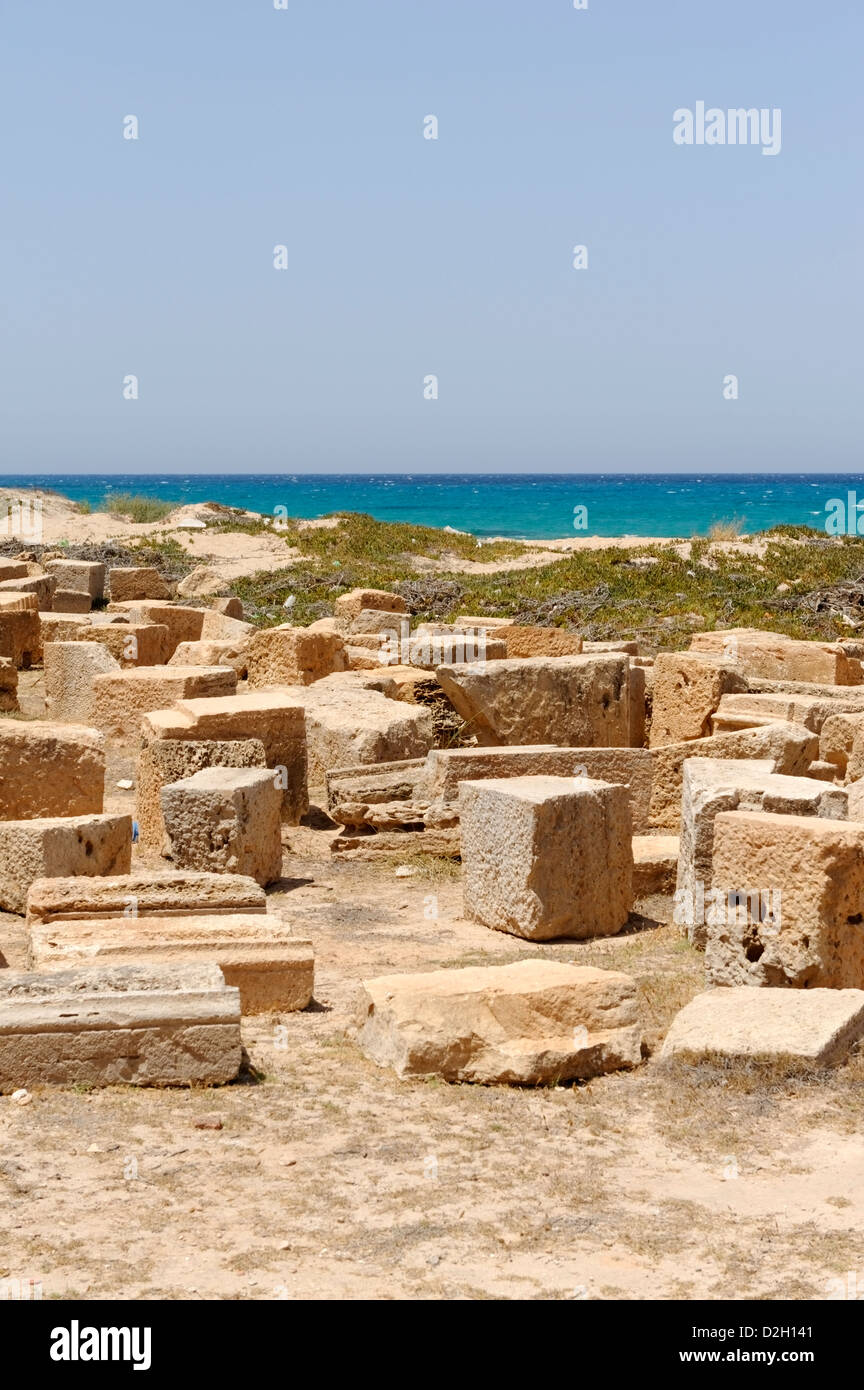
point(405, 871)
point(21, 1097)
point(125, 784)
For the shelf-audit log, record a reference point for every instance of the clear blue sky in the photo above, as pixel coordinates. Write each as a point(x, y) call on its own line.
point(304, 127)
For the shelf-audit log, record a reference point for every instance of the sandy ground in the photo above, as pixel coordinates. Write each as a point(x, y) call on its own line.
point(329, 1178)
point(238, 554)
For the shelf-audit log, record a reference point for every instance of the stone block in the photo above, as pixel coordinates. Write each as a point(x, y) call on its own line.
point(776, 657)
point(21, 637)
point(162, 761)
point(348, 727)
point(226, 820)
point(128, 583)
point(573, 701)
point(794, 889)
point(273, 971)
point(183, 624)
point(350, 604)
point(540, 641)
point(49, 770)
point(57, 847)
point(120, 698)
point(70, 668)
point(773, 1028)
point(81, 576)
point(525, 1024)
point(686, 691)
point(133, 644)
point(144, 1025)
point(292, 656)
point(275, 717)
point(8, 686)
point(168, 893)
point(42, 585)
point(547, 857)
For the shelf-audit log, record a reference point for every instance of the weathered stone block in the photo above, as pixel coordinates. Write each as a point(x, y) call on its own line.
point(56, 847)
point(130, 582)
point(163, 761)
point(70, 668)
point(292, 656)
point(796, 913)
point(687, 689)
point(774, 656)
point(164, 894)
point(226, 820)
point(547, 857)
point(81, 576)
point(149, 1026)
point(50, 770)
point(524, 1024)
point(120, 698)
point(767, 1027)
point(572, 701)
point(350, 604)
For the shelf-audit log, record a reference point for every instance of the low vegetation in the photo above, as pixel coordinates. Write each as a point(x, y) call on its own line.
point(135, 507)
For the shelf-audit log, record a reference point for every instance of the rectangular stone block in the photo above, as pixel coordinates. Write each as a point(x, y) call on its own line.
point(547, 857)
point(42, 585)
point(226, 820)
point(21, 637)
point(524, 1024)
point(347, 727)
point(8, 686)
point(572, 701)
point(57, 847)
point(276, 718)
point(81, 576)
point(120, 698)
point(540, 641)
point(631, 767)
point(776, 657)
point(13, 569)
point(70, 668)
point(134, 644)
point(130, 582)
point(70, 601)
point(713, 785)
point(292, 656)
point(686, 691)
point(172, 760)
point(164, 894)
point(183, 624)
point(812, 936)
point(350, 604)
point(147, 1026)
point(747, 711)
point(273, 971)
point(65, 627)
point(767, 1027)
point(789, 747)
point(50, 770)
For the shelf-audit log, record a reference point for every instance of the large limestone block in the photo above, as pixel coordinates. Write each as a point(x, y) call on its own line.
point(539, 641)
point(632, 767)
point(129, 582)
point(221, 627)
point(133, 644)
point(276, 717)
point(171, 760)
point(272, 970)
point(82, 576)
point(348, 727)
point(790, 748)
point(42, 586)
point(837, 741)
point(774, 656)
point(767, 1027)
point(794, 893)
point(212, 653)
point(70, 601)
point(638, 682)
point(57, 847)
point(350, 604)
point(226, 820)
point(547, 857)
point(441, 644)
point(13, 569)
point(69, 671)
point(526, 1024)
point(747, 711)
point(21, 636)
point(50, 770)
point(292, 656)
point(183, 624)
point(571, 701)
point(120, 698)
point(715, 785)
point(687, 689)
point(164, 894)
point(175, 1025)
point(655, 865)
point(65, 627)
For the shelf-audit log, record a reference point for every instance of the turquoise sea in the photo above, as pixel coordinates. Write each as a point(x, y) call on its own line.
point(528, 505)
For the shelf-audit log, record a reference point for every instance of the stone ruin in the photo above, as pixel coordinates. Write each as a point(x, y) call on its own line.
point(591, 787)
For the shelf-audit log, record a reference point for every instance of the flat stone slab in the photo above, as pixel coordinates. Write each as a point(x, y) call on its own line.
point(143, 894)
point(524, 1024)
point(813, 1027)
point(274, 971)
point(144, 1025)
